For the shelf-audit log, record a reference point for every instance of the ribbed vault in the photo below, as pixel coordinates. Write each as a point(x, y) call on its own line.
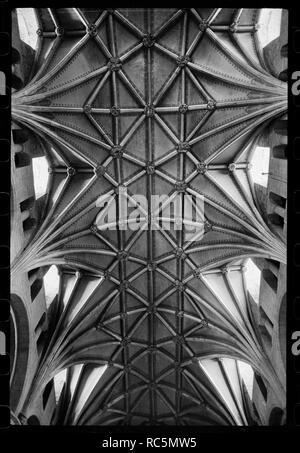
point(147, 102)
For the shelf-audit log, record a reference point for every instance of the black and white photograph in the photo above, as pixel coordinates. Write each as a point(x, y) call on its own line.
point(148, 217)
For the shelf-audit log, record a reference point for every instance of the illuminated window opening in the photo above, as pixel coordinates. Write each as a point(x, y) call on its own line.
point(59, 381)
point(269, 22)
point(253, 279)
point(40, 175)
point(28, 26)
point(260, 165)
point(51, 284)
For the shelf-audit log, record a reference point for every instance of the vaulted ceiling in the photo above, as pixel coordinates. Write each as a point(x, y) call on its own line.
point(154, 101)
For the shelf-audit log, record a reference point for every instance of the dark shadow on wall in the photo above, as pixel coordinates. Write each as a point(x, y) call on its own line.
point(282, 329)
point(33, 420)
point(276, 417)
point(19, 335)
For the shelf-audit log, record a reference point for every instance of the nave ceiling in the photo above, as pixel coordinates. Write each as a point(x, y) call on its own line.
point(149, 101)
